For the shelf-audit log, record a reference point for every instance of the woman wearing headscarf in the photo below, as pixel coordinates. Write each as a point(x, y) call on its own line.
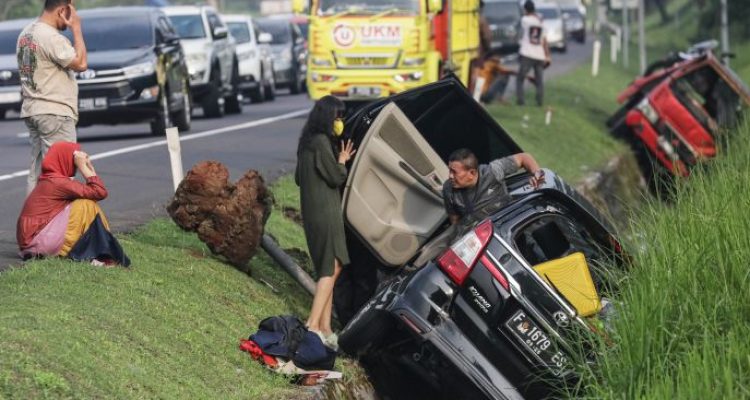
point(60, 217)
point(320, 175)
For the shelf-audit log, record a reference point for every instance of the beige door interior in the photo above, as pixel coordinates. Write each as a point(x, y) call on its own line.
point(393, 197)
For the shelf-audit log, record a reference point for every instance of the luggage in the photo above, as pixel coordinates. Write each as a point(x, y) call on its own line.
point(571, 276)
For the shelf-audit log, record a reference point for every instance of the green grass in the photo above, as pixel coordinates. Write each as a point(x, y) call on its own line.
point(169, 327)
point(684, 320)
point(576, 141)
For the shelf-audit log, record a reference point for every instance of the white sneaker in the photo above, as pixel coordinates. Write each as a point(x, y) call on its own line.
point(332, 341)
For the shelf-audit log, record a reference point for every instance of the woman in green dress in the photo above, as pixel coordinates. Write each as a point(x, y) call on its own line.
point(320, 174)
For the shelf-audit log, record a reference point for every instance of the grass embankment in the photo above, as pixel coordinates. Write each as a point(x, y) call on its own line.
point(166, 328)
point(684, 316)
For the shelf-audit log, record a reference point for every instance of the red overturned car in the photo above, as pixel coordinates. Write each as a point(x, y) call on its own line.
point(679, 113)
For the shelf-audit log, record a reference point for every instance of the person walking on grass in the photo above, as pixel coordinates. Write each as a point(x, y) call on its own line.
point(533, 53)
point(46, 64)
point(320, 174)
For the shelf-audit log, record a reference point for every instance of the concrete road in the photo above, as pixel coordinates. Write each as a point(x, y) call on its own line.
point(135, 165)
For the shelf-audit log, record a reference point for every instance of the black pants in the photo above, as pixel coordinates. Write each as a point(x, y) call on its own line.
point(525, 64)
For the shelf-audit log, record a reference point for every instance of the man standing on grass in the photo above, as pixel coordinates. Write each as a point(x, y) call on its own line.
point(46, 64)
point(533, 53)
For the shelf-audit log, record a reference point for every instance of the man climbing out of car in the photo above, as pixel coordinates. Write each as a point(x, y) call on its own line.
point(474, 192)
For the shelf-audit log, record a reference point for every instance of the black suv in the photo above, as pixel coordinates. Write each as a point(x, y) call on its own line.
point(483, 318)
point(137, 70)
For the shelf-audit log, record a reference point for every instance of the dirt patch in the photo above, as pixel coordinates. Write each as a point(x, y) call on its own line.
point(293, 214)
point(228, 217)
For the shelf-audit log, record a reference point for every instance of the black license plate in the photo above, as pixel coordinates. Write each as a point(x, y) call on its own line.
point(537, 343)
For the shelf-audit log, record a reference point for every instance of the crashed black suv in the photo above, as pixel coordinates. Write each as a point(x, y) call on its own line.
point(486, 317)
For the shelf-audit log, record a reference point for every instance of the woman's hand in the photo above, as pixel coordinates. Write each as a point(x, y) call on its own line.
point(347, 151)
point(83, 163)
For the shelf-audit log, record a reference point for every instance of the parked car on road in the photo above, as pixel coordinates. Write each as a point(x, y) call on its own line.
point(256, 79)
point(554, 25)
point(10, 84)
point(289, 54)
point(136, 71)
point(481, 318)
point(678, 114)
point(504, 20)
point(211, 59)
point(574, 13)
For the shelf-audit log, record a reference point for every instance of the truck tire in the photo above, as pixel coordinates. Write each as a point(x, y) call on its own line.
point(182, 118)
point(163, 118)
point(232, 103)
point(213, 103)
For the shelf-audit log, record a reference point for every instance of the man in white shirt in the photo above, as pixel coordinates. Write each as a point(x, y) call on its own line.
point(533, 53)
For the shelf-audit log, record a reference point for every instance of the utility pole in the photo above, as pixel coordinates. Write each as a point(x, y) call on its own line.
point(642, 35)
point(725, 32)
point(625, 34)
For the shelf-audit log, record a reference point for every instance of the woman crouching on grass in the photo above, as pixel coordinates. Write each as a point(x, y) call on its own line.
point(61, 217)
point(320, 175)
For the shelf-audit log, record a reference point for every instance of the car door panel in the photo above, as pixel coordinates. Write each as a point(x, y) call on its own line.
point(393, 195)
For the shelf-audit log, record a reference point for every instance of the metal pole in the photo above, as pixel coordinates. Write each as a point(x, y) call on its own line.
point(642, 35)
point(725, 32)
point(288, 263)
point(625, 34)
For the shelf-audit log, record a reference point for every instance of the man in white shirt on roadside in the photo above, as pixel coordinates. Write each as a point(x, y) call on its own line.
point(533, 53)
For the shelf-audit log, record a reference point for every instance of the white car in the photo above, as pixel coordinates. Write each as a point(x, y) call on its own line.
point(211, 60)
point(554, 25)
point(256, 79)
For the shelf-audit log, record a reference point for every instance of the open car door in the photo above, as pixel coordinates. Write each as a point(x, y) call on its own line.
point(393, 196)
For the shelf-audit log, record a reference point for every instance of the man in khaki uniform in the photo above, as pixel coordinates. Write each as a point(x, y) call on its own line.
point(46, 64)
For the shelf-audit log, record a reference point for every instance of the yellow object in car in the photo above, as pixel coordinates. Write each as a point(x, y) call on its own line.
point(571, 276)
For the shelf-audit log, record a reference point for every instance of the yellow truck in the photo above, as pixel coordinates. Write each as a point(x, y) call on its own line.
point(360, 50)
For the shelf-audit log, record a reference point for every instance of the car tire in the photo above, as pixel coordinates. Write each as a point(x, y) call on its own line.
point(232, 103)
point(2, 114)
point(213, 103)
point(258, 94)
point(163, 118)
point(295, 86)
point(183, 117)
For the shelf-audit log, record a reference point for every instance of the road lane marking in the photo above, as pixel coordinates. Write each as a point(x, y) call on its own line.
point(192, 136)
point(22, 134)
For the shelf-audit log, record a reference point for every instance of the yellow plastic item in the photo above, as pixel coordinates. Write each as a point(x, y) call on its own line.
point(570, 275)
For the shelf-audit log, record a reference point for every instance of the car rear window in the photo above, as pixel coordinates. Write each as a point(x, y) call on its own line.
point(188, 26)
point(548, 13)
point(116, 32)
point(8, 39)
point(239, 31)
point(279, 30)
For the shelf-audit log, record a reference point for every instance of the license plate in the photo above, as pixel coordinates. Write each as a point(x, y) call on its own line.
point(94, 103)
point(537, 343)
point(364, 91)
point(10, 97)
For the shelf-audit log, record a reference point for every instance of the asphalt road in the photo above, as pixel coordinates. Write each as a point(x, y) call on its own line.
point(135, 165)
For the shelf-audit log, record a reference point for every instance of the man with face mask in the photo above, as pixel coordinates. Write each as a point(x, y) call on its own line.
point(474, 192)
point(46, 64)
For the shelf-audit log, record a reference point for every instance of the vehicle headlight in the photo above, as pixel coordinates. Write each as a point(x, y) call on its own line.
point(321, 62)
point(316, 77)
point(409, 77)
point(197, 61)
point(141, 69)
point(286, 55)
point(247, 55)
point(150, 93)
point(413, 61)
point(648, 111)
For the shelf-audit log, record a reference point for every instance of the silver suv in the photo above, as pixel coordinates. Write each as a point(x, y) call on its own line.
point(211, 60)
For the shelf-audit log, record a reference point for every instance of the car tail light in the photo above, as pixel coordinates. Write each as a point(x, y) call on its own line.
point(461, 257)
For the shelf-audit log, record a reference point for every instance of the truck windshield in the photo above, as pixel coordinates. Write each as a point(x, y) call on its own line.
point(8, 41)
point(331, 7)
point(188, 26)
point(502, 12)
point(116, 33)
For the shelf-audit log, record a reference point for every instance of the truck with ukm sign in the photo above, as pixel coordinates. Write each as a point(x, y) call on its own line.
point(363, 50)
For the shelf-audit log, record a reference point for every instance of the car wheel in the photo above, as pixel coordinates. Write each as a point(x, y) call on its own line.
point(258, 94)
point(213, 103)
point(183, 118)
point(2, 114)
point(232, 102)
point(271, 89)
point(163, 119)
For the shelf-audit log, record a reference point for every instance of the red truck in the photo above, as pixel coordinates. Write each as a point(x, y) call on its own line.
point(680, 112)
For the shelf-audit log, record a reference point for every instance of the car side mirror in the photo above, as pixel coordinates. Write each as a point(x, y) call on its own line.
point(220, 32)
point(435, 6)
point(265, 38)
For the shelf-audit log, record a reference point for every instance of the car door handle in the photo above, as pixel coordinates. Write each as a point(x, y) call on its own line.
point(422, 181)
